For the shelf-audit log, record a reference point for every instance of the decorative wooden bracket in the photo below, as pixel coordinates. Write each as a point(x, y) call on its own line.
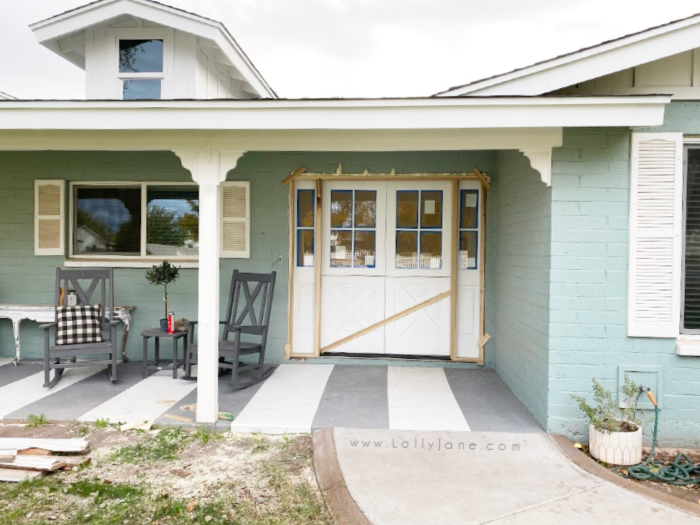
point(483, 178)
point(541, 160)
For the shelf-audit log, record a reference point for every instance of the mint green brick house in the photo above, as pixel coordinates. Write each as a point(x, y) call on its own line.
point(540, 222)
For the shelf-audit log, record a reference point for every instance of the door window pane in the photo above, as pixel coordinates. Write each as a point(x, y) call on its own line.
point(467, 250)
point(406, 209)
point(305, 208)
point(341, 209)
point(469, 209)
point(431, 250)
point(406, 250)
point(305, 248)
point(365, 249)
point(108, 220)
point(140, 56)
point(365, 209)
point(141, 89)
point(341, 249)
point(431, 209)
point(468, 229)
point(172, 223)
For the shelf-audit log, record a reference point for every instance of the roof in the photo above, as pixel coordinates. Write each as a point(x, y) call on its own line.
point(590, 62)
point(64, 33)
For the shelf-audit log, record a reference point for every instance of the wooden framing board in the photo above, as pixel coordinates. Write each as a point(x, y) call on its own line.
point(483, 178)
point(293, 175)
point(388, 320)
point(454, 270)
point(318, 264)
point(288, 348)
point(482, 277)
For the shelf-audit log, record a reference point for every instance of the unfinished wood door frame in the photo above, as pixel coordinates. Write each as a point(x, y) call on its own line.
point(301, 174)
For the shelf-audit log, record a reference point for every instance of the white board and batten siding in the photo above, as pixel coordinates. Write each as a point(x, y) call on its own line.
point(49, 217)
point(656, 240)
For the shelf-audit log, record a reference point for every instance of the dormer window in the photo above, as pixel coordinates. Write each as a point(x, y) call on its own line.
point(141, 68)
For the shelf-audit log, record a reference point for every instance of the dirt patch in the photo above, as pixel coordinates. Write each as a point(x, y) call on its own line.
point(172, 476)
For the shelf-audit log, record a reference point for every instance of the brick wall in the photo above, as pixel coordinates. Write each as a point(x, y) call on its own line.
point(521, 275)
point(588, 331)
point(25, 278)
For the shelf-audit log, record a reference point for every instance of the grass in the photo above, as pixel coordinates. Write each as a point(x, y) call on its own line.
point(267, 491)
point(164, 446)
point(36, 421)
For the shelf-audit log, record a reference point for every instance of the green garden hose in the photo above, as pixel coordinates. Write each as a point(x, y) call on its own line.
point(682, 471)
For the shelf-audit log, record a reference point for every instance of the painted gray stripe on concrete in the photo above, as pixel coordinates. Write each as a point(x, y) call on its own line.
point(355, 396)
point(487, 403)
point(11, 373)
point(231, 401)
point(82, 397)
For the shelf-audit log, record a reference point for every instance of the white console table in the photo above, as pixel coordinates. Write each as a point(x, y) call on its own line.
point(43, 313)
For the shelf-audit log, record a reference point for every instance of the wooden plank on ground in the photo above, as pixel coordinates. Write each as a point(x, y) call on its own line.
point(54, 445)
point(34, 452)
point(46, 463)
point(9, 474)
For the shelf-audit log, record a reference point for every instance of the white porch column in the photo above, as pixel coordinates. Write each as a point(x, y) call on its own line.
point(208, 169)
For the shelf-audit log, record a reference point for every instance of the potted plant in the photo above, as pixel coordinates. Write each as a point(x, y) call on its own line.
point(615, 435)
point(163, 274)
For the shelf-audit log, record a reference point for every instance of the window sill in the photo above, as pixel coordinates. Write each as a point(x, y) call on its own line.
point(121, 263)
point(688, 345)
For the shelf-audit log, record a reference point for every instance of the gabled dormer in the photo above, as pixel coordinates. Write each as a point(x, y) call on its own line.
point(141, 49)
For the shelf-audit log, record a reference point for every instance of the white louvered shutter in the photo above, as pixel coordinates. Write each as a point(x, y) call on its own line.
point(49, 226)
point(655, 229)
point(235, 219)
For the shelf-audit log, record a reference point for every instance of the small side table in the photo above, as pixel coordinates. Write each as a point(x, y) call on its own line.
point(156, 334)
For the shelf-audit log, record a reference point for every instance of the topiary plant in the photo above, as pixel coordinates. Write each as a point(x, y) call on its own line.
point(163, 274)
point(607, 416)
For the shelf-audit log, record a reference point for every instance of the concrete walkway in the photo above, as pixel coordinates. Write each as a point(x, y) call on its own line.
point(418, 478)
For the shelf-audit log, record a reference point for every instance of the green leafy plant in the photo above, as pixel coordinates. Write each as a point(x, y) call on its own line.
point(36, 421)
point(163, 274)
point(607, 416)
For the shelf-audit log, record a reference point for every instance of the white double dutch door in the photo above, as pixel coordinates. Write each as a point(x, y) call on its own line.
point(386, 247)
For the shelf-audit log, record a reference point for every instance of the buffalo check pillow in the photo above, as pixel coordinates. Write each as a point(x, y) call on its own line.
point(78, 325)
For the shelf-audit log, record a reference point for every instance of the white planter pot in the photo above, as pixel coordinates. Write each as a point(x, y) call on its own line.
point(616, 448)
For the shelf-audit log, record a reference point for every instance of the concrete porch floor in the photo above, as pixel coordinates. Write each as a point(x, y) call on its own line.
point(296, 398)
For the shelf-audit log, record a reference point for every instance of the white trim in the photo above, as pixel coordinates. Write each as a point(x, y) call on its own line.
point(593, 62)
point(150, 33)
point(111, 260)
point(181, 142)
point(142, 262)
point(394, 114)
point(688, 345)
point(61, 217)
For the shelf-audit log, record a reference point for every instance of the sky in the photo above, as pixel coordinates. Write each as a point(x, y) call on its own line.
point(358, 48)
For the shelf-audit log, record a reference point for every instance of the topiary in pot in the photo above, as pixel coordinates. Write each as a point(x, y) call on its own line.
point(615, 435)
point(163, 274)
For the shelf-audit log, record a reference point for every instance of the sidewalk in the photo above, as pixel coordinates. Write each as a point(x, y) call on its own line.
point(416, 478)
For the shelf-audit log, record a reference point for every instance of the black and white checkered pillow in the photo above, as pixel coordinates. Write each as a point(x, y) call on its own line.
point(78, 325)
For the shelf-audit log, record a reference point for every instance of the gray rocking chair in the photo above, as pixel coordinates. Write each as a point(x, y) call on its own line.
point(59, 357)
point(247, 315)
